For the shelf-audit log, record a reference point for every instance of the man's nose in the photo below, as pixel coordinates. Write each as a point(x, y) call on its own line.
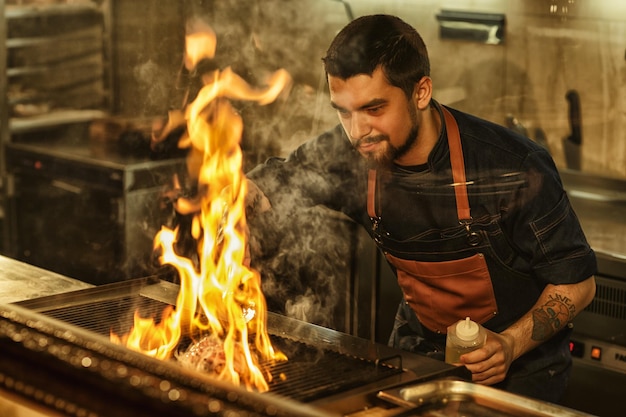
point(359, 127)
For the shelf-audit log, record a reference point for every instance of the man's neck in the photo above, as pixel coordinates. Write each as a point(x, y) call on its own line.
point(428, 135)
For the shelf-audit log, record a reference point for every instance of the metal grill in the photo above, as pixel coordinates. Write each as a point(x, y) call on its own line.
point(310, 373)
point(73, 372)
point(108, 315)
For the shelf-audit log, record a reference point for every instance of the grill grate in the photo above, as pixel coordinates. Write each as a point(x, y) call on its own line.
point(308, 375)
point(311, 374)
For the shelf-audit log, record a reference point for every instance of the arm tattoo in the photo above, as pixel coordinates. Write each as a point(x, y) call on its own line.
point(552, 316)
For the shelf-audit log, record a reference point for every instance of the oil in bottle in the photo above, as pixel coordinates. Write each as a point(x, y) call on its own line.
point(463, 337)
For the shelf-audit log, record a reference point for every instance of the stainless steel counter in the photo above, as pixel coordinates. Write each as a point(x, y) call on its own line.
point(20, 281)
point(600, 204)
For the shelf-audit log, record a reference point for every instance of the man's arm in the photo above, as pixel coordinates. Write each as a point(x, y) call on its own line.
point(555, 308)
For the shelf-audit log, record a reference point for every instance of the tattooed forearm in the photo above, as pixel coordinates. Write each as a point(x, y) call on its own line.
point(552, 316)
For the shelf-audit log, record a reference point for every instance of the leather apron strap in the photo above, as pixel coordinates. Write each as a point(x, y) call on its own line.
point(458, 168)
point(371, 194)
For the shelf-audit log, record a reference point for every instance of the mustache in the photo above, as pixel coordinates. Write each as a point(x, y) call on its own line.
point(368, 140)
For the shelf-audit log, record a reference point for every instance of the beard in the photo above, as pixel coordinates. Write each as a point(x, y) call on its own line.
point(385, 156)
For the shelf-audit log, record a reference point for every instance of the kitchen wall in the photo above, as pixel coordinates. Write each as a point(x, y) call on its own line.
point(147, 49)
point(550, 47)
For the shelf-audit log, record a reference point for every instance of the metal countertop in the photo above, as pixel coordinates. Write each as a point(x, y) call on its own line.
point(20, 281)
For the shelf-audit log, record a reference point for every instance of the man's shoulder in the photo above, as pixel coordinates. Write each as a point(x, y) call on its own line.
point(482, 134)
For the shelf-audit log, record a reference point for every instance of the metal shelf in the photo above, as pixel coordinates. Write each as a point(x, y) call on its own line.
point(55, 73)
point(94, 33)
point(36, 10)
point(90, 59)
point(53, 118)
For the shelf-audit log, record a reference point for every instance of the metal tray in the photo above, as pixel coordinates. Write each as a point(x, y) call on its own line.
point(454, 398)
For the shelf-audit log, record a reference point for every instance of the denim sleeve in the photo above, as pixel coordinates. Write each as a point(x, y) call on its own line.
point(321, 171)
point(546, 229)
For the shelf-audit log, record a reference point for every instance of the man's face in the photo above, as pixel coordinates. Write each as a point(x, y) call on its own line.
point(379, 120)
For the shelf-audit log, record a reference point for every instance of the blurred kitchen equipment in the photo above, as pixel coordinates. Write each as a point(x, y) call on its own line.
point(514, 124)
point(539, 135)
point(573, 142)
point(599, 339)
point(487, 28)
point(103, 204)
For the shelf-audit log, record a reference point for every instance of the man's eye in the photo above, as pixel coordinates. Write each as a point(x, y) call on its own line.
point(374, 110)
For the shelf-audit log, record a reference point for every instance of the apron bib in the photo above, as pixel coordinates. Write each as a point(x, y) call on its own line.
point(441, 293)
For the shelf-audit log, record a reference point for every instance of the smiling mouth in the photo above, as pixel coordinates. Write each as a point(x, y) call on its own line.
point(368, 144)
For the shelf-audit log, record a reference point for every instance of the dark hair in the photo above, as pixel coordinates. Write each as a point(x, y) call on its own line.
point(379, 40)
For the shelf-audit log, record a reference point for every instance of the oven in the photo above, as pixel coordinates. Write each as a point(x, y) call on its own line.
point(83, 208)
point(599, 338)
point(598, 347)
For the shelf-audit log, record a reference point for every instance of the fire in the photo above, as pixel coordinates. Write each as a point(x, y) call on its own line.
point(220, 296)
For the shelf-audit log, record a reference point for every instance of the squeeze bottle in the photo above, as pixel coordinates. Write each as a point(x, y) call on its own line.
point(463, 336)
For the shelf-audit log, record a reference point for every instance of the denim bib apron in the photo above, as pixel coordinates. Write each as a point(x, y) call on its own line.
point(448, 276)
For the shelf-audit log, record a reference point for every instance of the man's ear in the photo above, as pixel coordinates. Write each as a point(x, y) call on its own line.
point(423, 92)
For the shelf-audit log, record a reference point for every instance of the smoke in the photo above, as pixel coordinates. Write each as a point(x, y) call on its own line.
point(304, 307)
point(154, 83)
point(304, 252)
point(305, 262)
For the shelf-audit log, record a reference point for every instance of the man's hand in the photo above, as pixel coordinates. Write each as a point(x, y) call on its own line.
point(557, 305)
point(490, 364)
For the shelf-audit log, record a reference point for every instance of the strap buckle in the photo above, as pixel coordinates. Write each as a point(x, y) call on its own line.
point(473, 238)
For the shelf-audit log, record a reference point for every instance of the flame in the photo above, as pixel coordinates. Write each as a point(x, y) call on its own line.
point(219, 295)
point(199, 44)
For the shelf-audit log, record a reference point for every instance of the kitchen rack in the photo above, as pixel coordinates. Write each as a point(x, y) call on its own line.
point(56, 64)
point(55, 69)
